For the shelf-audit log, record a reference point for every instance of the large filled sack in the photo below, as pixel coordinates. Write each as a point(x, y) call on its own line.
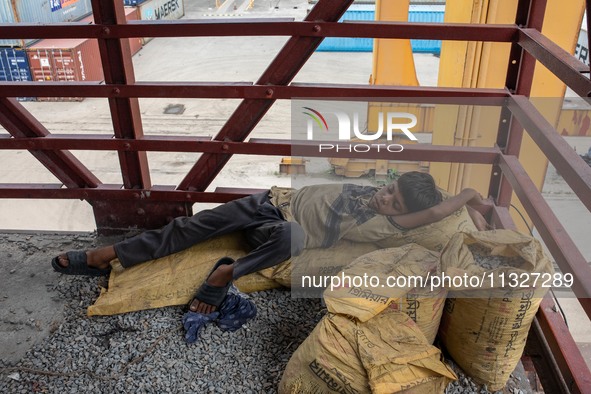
point(485, 329)
point(393, 278)
point(387, 354)
point(424, 306)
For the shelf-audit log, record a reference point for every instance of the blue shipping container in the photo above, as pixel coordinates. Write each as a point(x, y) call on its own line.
point(14, 66)
point(421, 14)
point(132, 2)
point(41, 11)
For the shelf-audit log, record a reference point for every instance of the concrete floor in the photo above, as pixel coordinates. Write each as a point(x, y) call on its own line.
point(28, 309)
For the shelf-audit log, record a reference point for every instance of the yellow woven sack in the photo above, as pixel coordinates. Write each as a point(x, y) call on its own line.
point(410, 262)
point(171, 280)
point(387, 354)
point(486, 336)
point(424, 307)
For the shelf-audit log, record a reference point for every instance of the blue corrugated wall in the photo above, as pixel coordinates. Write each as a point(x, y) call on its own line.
point(340, 44)
point(14, 66)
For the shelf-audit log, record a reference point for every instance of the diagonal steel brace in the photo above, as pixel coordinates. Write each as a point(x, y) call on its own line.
point(22, 124)
point(281, 71)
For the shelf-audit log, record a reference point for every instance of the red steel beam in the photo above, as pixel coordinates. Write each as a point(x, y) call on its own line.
point(572, 168)
point(266, 27)
point(63, 165)
point(280, 71)
point(519, 79)
point(419, 94)
point(238, 190)
point(561, 63)
point(107, 192)
point(125, 113)
point(270, 147)
point(563, 348)
point(562, 247)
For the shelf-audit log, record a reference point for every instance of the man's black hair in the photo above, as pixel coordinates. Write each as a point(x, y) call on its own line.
point(418, 190)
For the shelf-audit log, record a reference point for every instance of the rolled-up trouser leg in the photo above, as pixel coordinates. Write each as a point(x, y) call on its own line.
point(184, 232)
point(277, 242)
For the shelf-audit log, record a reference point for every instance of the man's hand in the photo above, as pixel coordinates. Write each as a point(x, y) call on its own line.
point(479, 220)
point(483, 206)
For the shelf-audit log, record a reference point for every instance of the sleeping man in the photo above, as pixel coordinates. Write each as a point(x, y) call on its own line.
point(280, 223)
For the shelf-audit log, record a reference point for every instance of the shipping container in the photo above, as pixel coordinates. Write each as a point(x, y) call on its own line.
point(65, 60)
point(41, 11)
point(14, 66)
point(161, 9)
point(426, 14)
point(582, 49)
point(133, 2)
point(416, 13)
point(131, 14)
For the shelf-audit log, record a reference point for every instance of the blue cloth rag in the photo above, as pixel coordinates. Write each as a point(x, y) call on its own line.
point(232, 314)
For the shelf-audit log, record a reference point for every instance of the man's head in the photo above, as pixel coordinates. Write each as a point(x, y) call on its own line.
point(418, 190)
point(412, 192)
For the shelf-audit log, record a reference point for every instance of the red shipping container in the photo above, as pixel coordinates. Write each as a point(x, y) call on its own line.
point(131, 14)
point(65, 60)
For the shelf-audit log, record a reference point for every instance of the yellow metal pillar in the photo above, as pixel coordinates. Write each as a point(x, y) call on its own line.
point(473, 65)
point(393, 63)
point(484, 65)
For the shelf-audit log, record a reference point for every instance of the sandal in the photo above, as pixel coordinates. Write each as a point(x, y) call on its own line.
point(77, 265)
point(213, 295)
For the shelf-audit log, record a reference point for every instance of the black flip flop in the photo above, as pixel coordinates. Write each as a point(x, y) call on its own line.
point(77, 265)
point(213, 295)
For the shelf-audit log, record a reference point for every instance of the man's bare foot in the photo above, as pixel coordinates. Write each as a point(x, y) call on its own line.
point(95, 258)
point(218, 278)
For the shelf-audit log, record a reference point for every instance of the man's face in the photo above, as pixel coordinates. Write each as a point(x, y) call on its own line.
point(388, 201)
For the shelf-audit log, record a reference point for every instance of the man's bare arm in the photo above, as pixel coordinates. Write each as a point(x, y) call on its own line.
point(478, 219)
point(439, 211)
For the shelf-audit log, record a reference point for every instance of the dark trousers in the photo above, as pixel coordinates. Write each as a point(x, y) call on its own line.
point(272, 238)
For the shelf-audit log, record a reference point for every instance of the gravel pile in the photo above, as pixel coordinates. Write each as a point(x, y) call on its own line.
point(482, 258)
point(146, 351)
point(465, 384)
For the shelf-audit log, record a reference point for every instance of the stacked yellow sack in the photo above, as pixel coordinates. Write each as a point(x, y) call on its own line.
point(485, 331)
point(386, 354)
point(407, 269)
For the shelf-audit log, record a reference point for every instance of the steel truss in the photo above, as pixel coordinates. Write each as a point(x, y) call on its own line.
point(139, 204)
